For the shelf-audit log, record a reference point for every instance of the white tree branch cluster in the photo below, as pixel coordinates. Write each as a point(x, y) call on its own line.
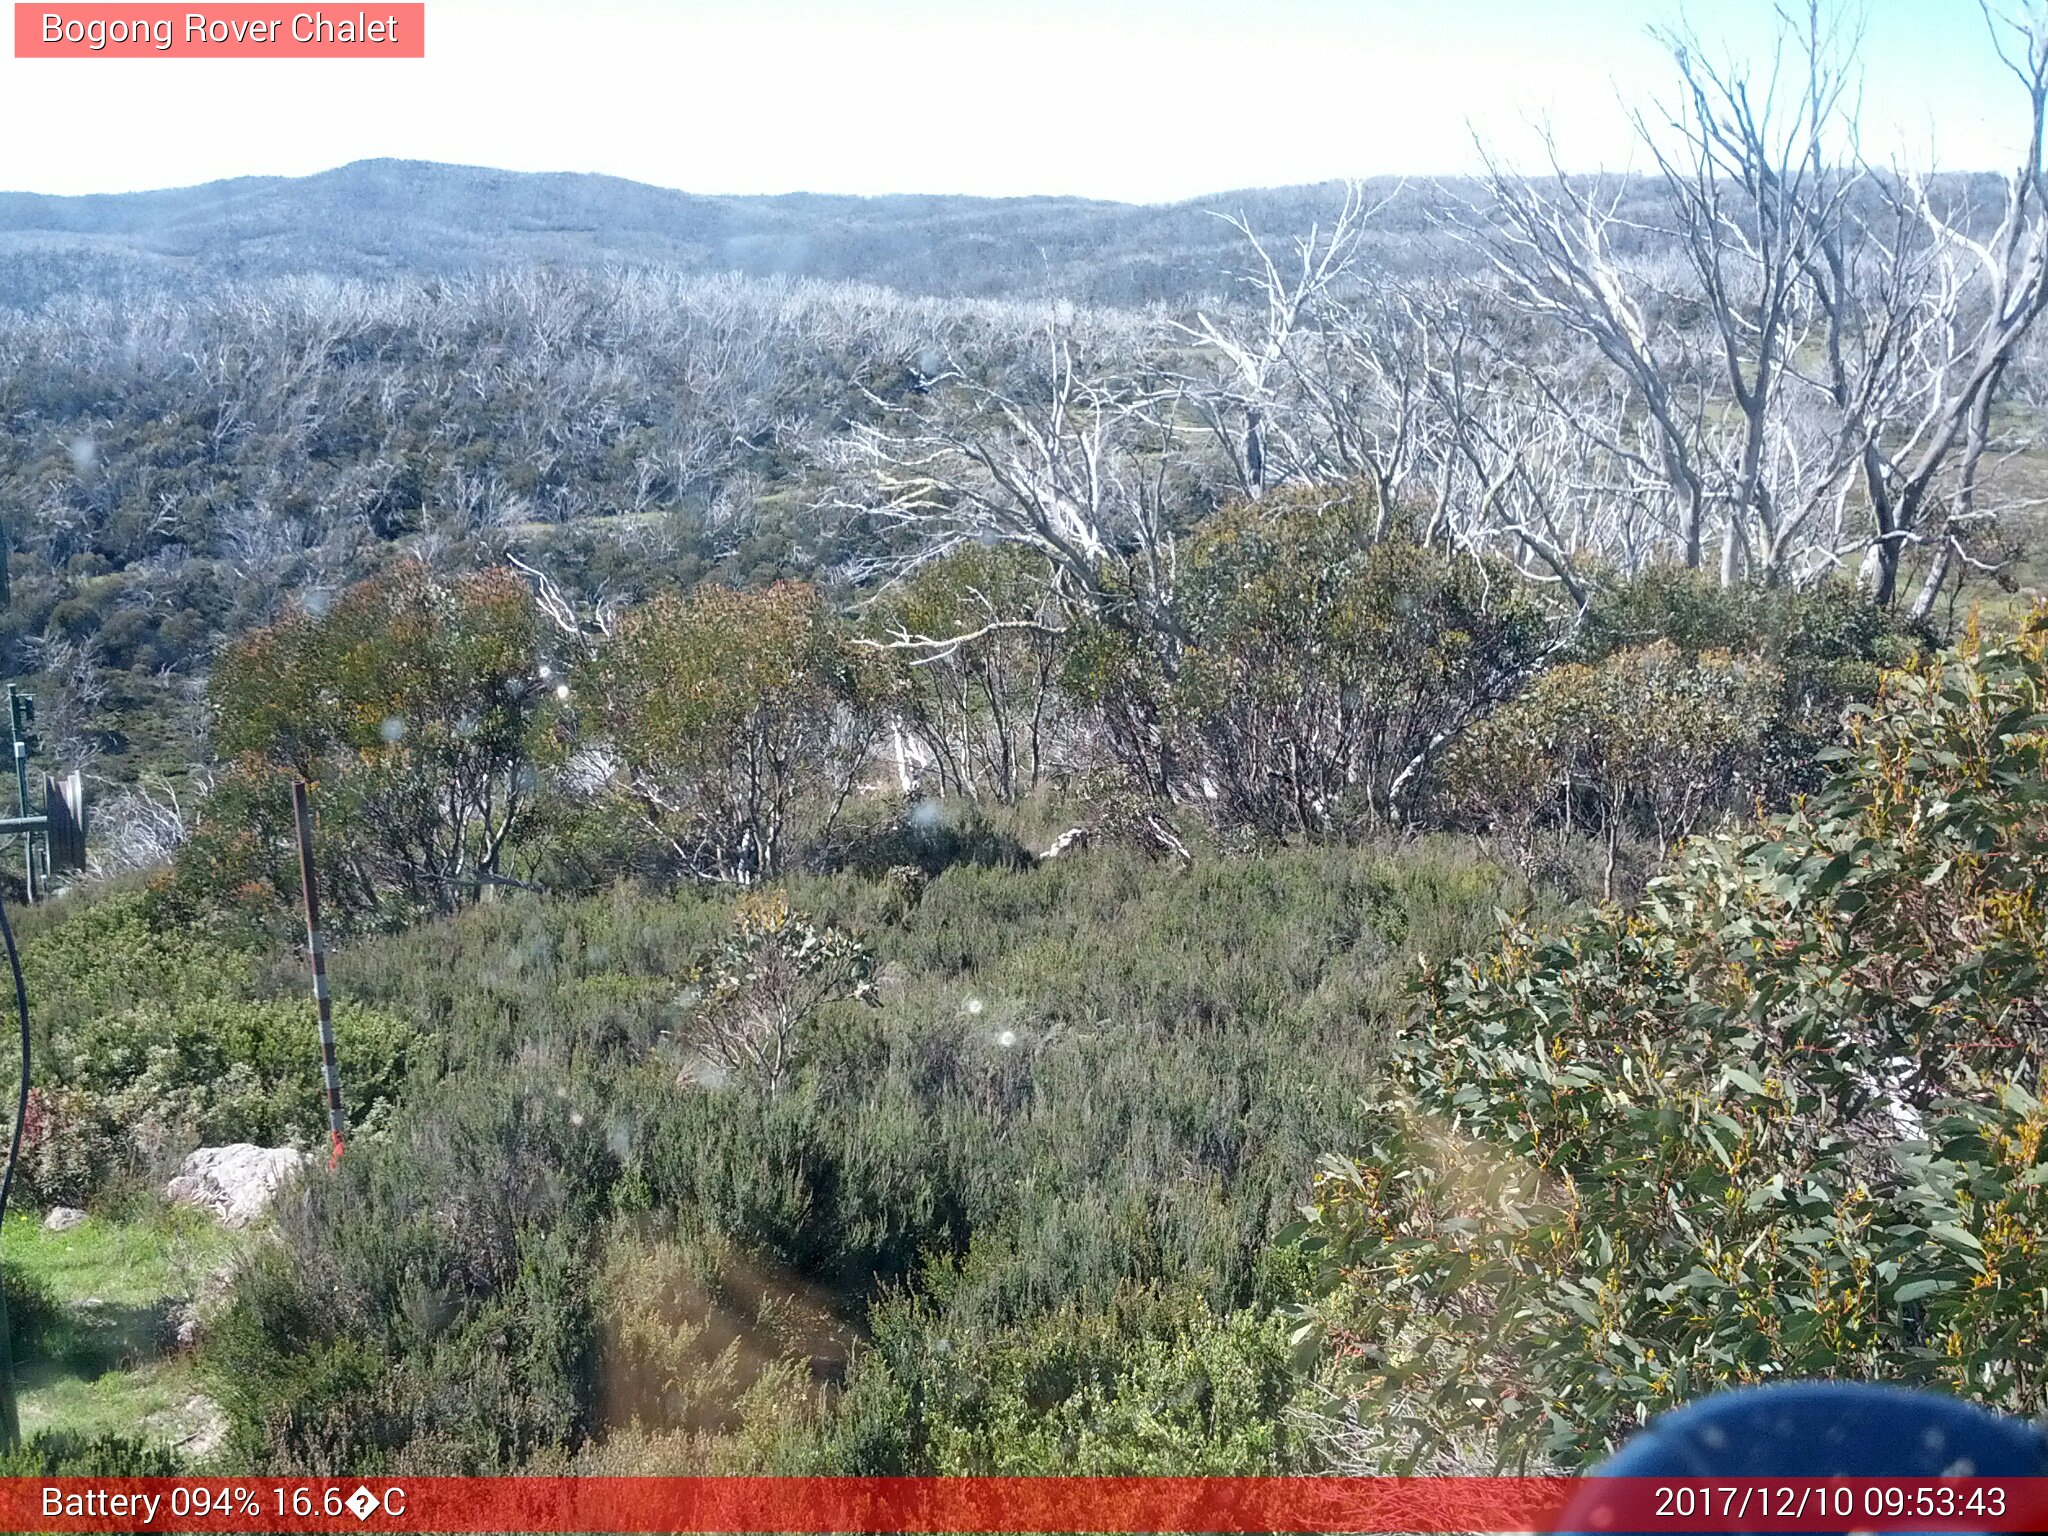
point(1768, 358)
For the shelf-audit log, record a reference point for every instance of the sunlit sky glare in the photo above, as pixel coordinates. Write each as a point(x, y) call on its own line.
point(1138, 100)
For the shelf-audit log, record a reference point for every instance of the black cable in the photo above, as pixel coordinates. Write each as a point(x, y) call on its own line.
point(21, 1100)
point(10, 1420)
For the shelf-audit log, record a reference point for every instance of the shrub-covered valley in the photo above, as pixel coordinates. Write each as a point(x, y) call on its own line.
point(1396, 866)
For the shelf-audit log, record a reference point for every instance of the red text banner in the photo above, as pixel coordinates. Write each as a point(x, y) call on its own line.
point(997, 1504)
point(226, 31)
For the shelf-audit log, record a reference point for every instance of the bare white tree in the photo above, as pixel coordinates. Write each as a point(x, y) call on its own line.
point(1074, 465)
point(1802, 351)
point(141, 825)
point(584, 624)
point(1994, 290)
point(1287, 361)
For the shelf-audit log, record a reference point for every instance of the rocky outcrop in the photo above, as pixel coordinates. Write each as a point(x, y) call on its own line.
point(236, 1183)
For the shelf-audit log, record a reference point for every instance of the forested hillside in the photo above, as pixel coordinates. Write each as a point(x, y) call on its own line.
point(384, 218)
point(982, 871)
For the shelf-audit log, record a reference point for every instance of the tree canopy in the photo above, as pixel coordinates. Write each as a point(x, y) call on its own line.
point(416, 706)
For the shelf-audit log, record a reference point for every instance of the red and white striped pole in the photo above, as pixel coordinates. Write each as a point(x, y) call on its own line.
point(317, 948)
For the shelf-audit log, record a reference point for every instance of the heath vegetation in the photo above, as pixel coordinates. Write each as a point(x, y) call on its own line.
point(1381, 863)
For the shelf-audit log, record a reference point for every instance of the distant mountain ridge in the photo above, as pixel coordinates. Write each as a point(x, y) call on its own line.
point(380, 217)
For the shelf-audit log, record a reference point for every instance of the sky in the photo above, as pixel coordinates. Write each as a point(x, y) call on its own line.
point(1135, 100)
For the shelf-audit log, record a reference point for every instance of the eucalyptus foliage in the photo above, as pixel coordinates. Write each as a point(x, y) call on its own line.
point(1783, 1119)
point(736, 717)
point(415, 706)
point(1322, 666)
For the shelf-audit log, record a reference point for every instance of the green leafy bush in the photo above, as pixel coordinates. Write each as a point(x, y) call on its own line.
point(1827, 645)
point(738, 717)
point(1677, 704)
point(212, 1072)
point(770, 977)
point(1647, 742)
point(72, 1147)
point(986, 713)
point(57, 1453)
point(1782, 1120)
point(119, 952)
point(416, 704)
point(151, 1044)
point(429, 1307)
point(1318, 672)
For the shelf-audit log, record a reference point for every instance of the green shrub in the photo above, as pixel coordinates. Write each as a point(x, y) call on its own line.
point(1679, 703)
point(149, 1044)
point(1154, 1384)
point(1647, 742)
point(119, 953)
point(1317, 671)
point(987, 713)
point(416, 704)
point(763, 988)
point(73, 1146)
point(928, 836)
point(1827, 645)
point(214, 1071)
point(57, 1453)
point(1780, 1121)
point(740, 718)
point(1085, 1080)
point(428, 1308)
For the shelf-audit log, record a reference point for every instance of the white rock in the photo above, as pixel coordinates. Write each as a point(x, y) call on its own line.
point(1064, 841)
point(207, 1426)
point(197, 1427)
point(63, 1218)
point(236, 1183)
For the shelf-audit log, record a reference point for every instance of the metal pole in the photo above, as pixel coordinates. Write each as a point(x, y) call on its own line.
point(28, 841)
point(317, 948)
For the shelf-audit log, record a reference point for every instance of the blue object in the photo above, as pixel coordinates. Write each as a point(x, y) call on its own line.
point(1826, 1429)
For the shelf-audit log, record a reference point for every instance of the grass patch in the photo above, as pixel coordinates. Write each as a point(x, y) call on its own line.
point(153, 1399)
point(125, 1264)
point(95, 1332)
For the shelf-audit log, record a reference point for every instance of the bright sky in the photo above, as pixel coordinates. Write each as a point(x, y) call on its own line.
point(1144, 100)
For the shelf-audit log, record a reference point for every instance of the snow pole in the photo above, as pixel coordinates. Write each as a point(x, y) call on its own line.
point(316, 947)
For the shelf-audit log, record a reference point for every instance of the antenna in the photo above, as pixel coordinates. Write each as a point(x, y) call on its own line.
point(58, 834)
